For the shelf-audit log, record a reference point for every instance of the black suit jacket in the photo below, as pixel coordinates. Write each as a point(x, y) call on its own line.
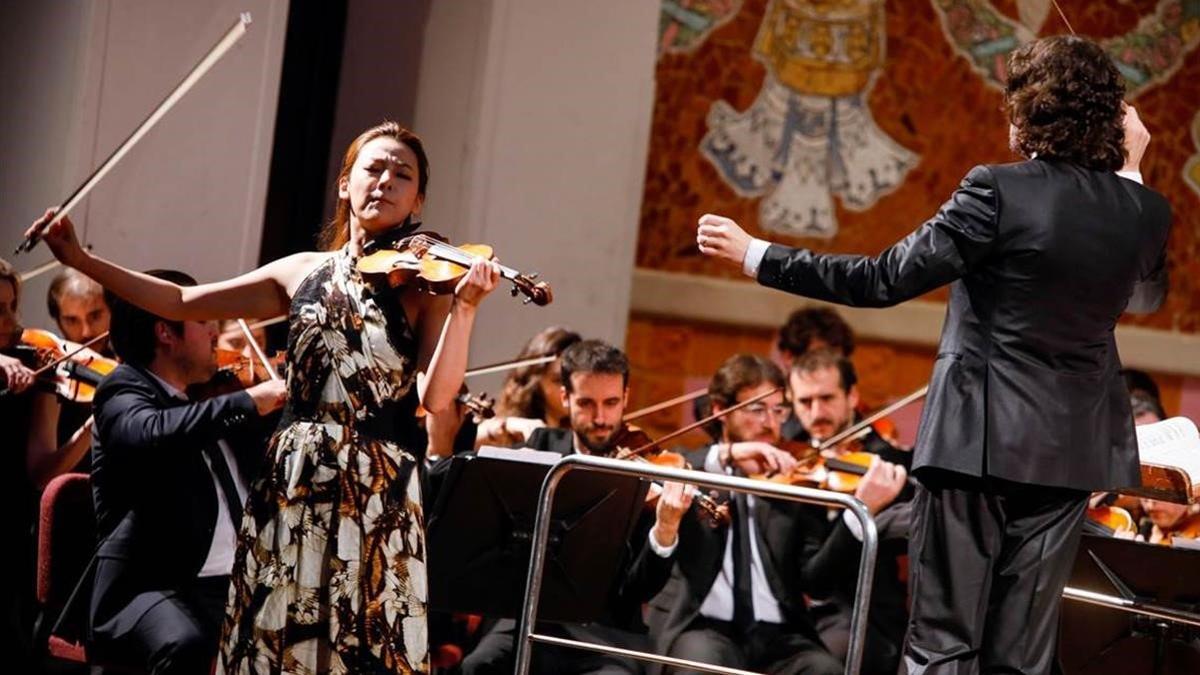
point(1042, 257)
point(801, 555)
point(156, 504)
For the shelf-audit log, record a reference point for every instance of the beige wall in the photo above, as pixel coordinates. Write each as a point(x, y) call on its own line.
point(536, 114)
point(191, 193)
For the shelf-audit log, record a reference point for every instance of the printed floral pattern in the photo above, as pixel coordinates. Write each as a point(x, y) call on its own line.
point(330, 570)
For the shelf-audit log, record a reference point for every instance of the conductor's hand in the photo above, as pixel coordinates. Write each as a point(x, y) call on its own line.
point(17, 378)
point(268, 396)
point(1136, 139)
point(673, 503)
point(481, 279)
point(755, 457)
point(881, 484)
point(60, 237)
point(722, 238)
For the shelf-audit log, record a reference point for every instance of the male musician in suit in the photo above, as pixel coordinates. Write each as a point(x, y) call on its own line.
point(595, 390)
point(824, 389)
point(168, 481)
point(736, 593)
point(1026, 411)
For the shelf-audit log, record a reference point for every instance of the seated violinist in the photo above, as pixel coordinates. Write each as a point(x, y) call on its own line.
point(1164, 522)
point(168, 482)
point(736, 593)
point(594, 392)
point(824, 391)
point(77, 305)
point(531, 395)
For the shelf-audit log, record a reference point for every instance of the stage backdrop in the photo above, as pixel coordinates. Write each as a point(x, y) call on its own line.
point(840, 125)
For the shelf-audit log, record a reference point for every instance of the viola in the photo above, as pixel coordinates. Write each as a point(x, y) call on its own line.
point(427, 262)
point(68, 369)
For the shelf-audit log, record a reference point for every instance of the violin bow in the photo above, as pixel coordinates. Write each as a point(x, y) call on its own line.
point(235, 33)
point(65, 357)
point(670, 403)
point(862, 427)
point(44, 267)
point(510, 365)
point(257, 324)
point(258, 352)
point(700, 423)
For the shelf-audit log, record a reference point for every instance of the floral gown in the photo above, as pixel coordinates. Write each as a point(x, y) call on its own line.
point(329, 575)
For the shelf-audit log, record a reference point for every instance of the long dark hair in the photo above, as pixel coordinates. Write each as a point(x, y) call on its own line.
point(337, 231)
point(522, 393)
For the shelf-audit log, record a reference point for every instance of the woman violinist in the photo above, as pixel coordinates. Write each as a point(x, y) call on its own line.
point(335, 521)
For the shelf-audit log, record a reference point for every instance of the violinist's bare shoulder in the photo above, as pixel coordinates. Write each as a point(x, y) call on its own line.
point(290, 271)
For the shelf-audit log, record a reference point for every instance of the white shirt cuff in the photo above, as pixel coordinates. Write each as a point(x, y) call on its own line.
point(754, 255)
point(659, 550)
point(1135, 176)
point(712, 461)
point(853, 524)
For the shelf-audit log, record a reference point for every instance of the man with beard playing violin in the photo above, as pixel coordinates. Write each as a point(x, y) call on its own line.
point(824, 390)
point(595, 390)
point(736, 594)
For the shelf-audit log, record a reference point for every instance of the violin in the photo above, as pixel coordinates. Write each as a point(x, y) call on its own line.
point(479, 406)
point(837, 471)
point(248, 370)
point(634, 444)
point(1188, 529)
point(1113, 518)
point(68, 369)
point(427, 262)
point(235, 371)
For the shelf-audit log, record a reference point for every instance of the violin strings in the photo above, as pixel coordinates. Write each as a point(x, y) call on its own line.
point(458, 256)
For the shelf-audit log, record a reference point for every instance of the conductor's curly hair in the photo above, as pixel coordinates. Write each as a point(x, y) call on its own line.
point(1063, 96)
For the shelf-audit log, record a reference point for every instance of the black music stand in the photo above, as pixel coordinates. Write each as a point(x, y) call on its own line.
point(1097, 639)
point(481, 528)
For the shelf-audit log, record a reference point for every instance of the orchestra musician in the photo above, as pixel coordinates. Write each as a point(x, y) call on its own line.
point(169, 478)
point(824, 391)
point(736, 593)
point(594, 393)
point(1026, 412)
point(336, 483)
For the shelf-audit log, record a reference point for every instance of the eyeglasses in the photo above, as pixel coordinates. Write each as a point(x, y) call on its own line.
point(760, 410)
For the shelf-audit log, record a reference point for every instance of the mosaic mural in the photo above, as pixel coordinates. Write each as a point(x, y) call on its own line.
point(841, 125)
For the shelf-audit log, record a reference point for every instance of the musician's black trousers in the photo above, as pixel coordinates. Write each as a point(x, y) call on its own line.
point(988, 559)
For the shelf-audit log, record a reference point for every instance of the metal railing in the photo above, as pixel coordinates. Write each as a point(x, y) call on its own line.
point(1133, 606)
point(541, 532)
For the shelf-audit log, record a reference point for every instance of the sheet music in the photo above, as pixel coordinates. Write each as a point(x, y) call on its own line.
point(1174, 442)
point(518, 455)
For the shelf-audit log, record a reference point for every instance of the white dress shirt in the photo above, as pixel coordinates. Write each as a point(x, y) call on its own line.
point(219, 561)
point(718, 604)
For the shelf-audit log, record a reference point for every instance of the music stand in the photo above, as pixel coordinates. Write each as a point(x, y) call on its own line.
point(481, 528)
point(1097, 639)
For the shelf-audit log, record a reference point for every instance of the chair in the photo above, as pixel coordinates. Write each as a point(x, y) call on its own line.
point(66, 540)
